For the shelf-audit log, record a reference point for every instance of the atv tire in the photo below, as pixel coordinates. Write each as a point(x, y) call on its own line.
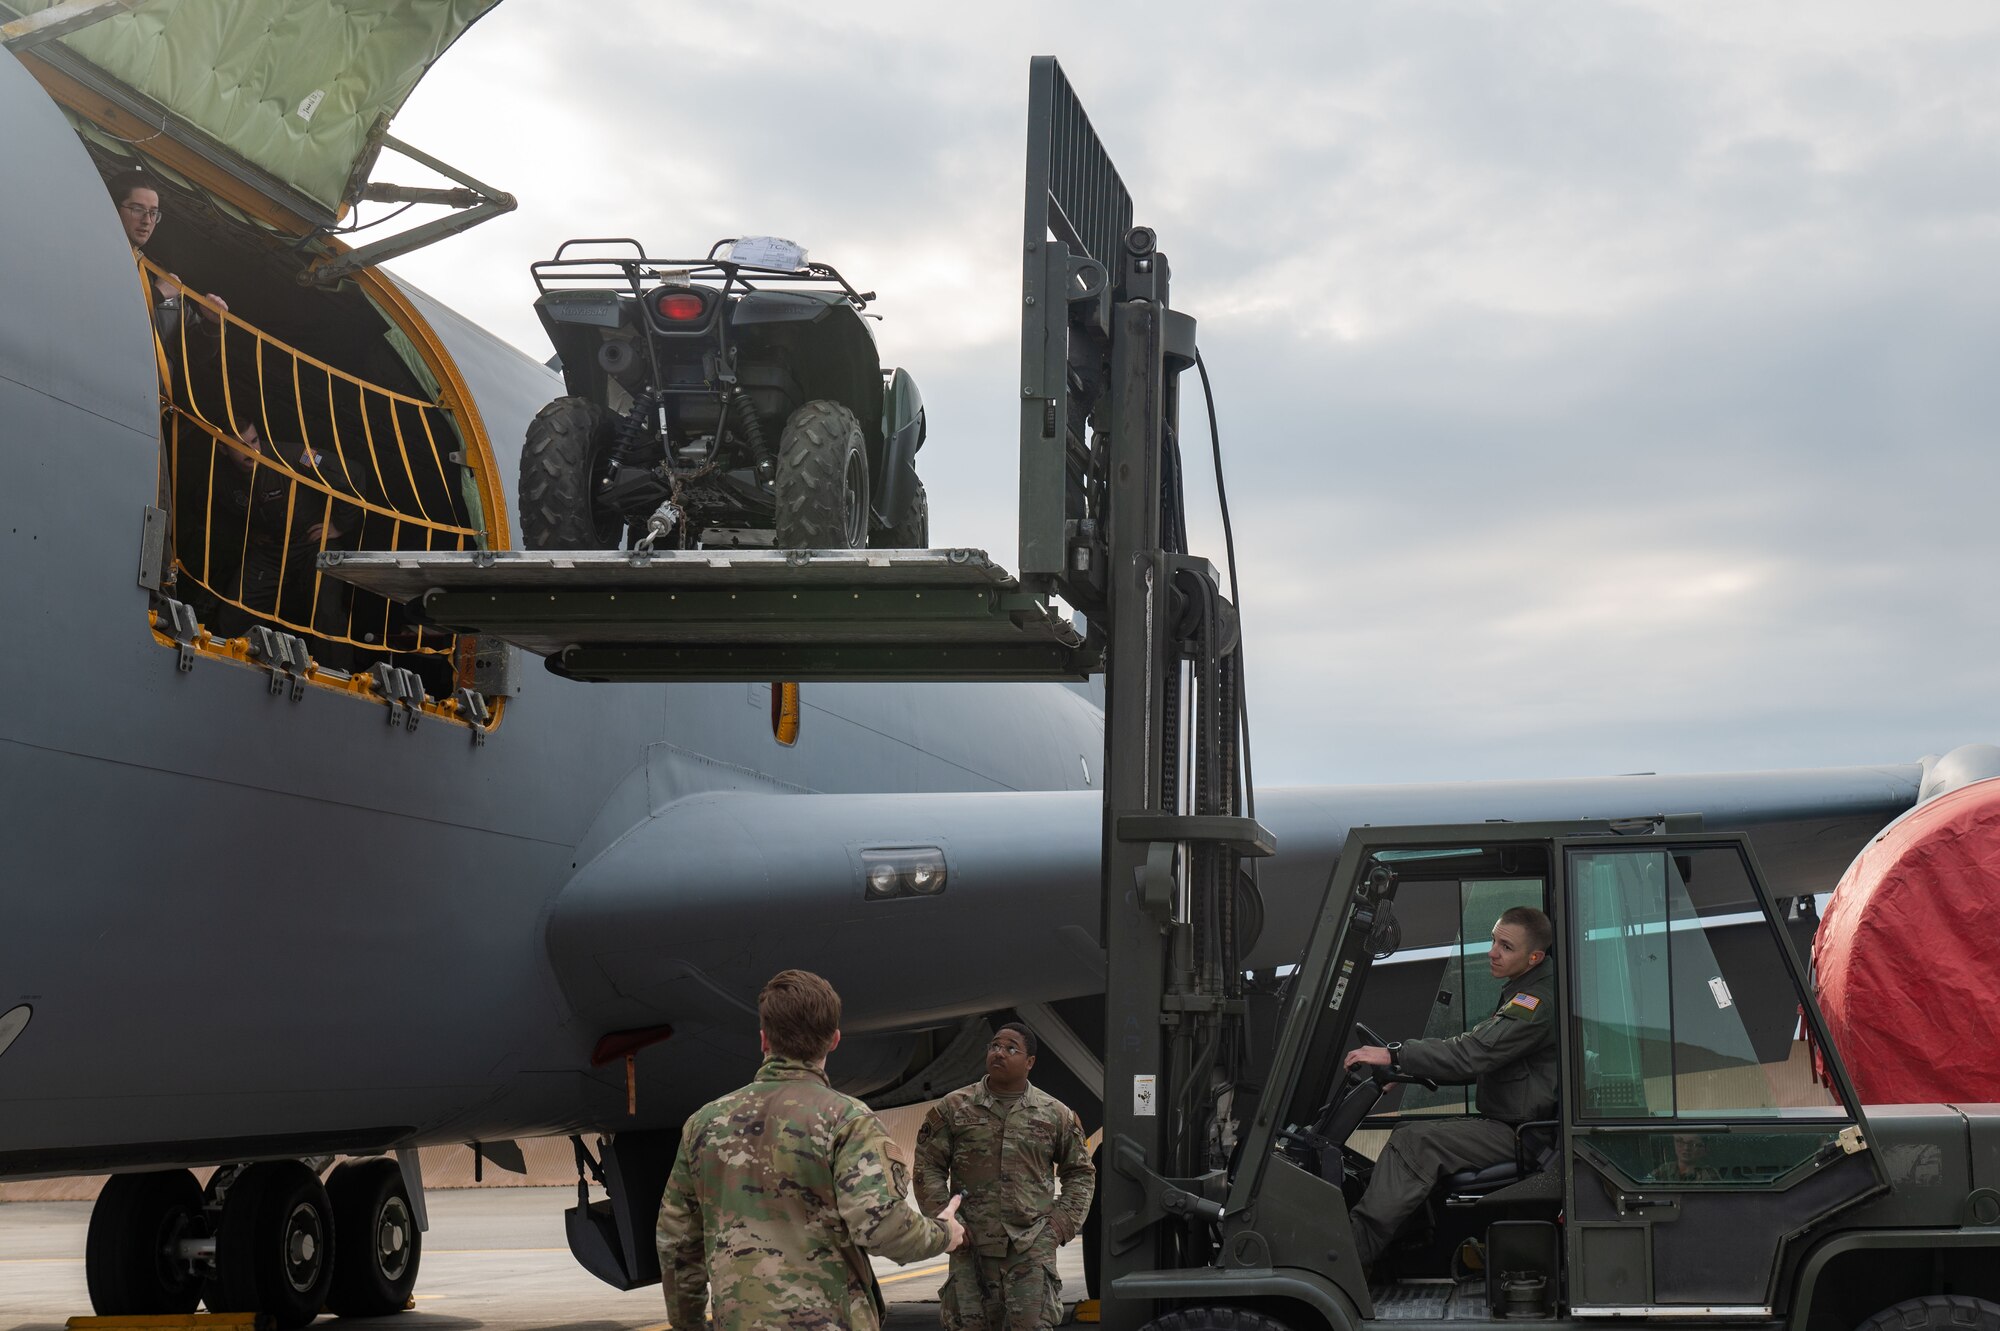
point(822, 480)
point(913, 532)
point(558, 470)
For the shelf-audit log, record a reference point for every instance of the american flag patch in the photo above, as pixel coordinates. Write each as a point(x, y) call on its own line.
point(1528, 1002)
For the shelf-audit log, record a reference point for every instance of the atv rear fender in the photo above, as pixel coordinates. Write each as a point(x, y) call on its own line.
point(902, 436)
point(576, 322)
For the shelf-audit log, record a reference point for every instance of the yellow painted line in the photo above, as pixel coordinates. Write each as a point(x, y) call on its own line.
point(912, 1275)
point(167, 1320)
point(428, 1252)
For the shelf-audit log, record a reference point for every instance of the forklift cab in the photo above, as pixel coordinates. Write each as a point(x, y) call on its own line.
point(1694, 1151)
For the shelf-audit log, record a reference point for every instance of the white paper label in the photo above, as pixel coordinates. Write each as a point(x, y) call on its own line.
point(769, 252)
point(1720, 988)
point(311, 103)
point(1142, 1096)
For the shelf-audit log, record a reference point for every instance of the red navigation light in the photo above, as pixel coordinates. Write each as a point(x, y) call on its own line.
point(680, 306)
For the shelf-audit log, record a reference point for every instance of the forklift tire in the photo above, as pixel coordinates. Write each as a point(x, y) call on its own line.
point(558, 462)
point(913, 532)
point(822, 480)
point(1215, 1319)
point(1937, 1312)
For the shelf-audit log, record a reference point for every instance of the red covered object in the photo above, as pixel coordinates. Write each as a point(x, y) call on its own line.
point(1907, 957)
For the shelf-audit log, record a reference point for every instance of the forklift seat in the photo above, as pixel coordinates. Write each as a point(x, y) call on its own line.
point(1535, 1146)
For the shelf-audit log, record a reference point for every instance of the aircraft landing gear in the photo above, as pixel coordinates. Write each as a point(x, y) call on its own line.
point(133, 1257)
point(274, 1244)
point(267, 1238)
point(378, 1245)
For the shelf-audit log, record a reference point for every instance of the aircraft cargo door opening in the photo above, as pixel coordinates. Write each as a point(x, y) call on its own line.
point(295, 420)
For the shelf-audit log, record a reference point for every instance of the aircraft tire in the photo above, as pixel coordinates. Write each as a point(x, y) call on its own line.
point(557, 463)
point(378, 1246)
point(822, 480)
point(914, 531)
point(275, 1246)
point(128, 1254)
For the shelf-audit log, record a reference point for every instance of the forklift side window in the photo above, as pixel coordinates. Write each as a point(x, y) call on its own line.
point(1683, 1005)
point(1712, 1158)
point(1455, 977)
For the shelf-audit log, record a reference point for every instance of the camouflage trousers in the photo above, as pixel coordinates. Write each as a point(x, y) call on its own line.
point(1017, 1292)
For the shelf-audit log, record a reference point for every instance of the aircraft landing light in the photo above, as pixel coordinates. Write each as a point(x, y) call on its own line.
point(759, 615)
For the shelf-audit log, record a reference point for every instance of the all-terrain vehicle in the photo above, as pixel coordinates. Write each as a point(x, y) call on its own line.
point(737, 399)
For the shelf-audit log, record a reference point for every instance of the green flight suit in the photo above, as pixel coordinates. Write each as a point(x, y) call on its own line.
point(1511, 1057)
point(1007, 1153)
point(780, 1192)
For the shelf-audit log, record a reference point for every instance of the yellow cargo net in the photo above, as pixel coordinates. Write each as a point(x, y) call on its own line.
point(271, 458)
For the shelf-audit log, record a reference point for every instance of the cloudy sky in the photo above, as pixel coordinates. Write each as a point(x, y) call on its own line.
point(1604, 387)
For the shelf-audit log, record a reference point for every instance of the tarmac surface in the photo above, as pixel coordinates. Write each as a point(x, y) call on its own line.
point(493, 1258)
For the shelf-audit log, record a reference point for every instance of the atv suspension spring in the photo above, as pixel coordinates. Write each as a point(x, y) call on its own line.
point(751, 425)
point(633, 444)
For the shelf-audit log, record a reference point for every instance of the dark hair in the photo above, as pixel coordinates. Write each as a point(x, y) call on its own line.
point(1541, 934)
point(1027, 1036)
point(122, 184)
point(800, 1014)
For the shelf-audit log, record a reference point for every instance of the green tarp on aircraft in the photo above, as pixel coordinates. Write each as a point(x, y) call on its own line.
point(298, 88)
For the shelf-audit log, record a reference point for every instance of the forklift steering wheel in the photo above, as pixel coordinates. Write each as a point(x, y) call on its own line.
point(1380, 1074)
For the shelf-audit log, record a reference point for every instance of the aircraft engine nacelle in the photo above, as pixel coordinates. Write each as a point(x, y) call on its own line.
point(919, 908)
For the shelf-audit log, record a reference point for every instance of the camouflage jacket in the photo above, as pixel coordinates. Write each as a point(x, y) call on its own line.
point(1511, 1055)
point(780, 1192)
point(1006, 1155)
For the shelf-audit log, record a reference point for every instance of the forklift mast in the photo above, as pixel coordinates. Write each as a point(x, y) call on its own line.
point(1103, 526)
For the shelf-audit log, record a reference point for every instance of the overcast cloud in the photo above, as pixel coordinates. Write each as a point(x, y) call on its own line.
point(1604, 387)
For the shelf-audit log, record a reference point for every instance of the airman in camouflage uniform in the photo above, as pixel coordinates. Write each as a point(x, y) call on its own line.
point(783, 1189)
point(1511, 1056)
point(1004, 1143)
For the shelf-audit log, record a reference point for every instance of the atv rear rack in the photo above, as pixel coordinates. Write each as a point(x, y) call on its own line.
point(636, 615)
point(638, 272)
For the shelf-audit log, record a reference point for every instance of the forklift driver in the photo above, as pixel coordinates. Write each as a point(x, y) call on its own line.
point(1511, 1056)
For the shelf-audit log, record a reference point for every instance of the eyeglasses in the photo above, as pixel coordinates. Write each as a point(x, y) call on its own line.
point(141, 212)
point(1008, 1049)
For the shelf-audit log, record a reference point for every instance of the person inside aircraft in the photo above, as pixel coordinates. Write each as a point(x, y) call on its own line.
point(137, 195)
point(283, 525)
point(1511, 1057)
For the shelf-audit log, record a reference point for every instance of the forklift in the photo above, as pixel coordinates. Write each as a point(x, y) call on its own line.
point(1708, 1162)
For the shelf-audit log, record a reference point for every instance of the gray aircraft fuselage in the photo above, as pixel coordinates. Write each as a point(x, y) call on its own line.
point(250, 927)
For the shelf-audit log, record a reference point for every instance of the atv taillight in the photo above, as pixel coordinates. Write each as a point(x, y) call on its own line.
point(680, 306)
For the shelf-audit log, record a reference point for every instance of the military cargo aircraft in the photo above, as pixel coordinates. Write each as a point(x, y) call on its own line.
point(288, 888)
